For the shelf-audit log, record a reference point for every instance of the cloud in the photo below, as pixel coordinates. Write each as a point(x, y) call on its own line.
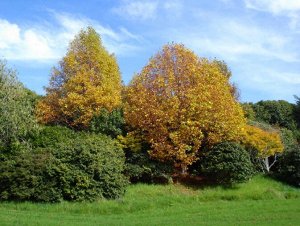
point(17, 44)
point(272, 83)
point(9, 34)
point(45, 42)
point(274, 6)
point(236, 39)
point(289, 8)
point(142, 10)
point(148, 10)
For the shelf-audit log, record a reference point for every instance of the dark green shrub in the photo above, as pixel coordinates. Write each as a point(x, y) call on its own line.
point(141, 168)
point(26, 177)
point(227, 163)
point(258, 165)
point(108, 123)
point(84, 167)
point(289, 166)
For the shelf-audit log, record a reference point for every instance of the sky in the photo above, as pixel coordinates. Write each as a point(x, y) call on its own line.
point(258, 39)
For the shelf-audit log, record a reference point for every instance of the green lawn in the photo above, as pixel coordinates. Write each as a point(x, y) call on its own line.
point(261, 201)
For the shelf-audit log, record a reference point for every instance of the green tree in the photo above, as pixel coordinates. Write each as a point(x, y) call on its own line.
point(279, 113)
point(86, 81)
point(16, 110)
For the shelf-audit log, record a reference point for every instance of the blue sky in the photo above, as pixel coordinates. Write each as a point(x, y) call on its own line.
point(258, 39)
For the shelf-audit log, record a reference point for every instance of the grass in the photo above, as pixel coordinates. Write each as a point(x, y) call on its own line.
point(261, 201)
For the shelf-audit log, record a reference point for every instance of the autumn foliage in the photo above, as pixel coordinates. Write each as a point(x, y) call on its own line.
point(86, 81)
point(180, 102)
point(266, 143)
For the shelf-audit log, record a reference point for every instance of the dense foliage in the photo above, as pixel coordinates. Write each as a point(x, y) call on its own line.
point(289, 166)
point(279, 113)
point(64, 165)
point(180, 102)
point(227, 163)
point(16, 118)
point(86, 81)
point(109, 123)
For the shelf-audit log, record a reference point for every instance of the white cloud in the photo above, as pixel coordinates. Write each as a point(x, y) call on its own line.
point(141, 10)
point(148, 10)
point(9, 34)
point(236, 39)
point(288, 8)
point(274, 6)
point(44, 43)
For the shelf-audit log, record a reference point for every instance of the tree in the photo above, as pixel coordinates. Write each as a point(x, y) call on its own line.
point(279, 113)
point(109, 123)
point(267, 143)
point(16, 109)
point(86, 81)
point(180, 102)
point(225, 70)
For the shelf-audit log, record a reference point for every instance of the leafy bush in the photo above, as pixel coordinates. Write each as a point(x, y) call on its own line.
point(141, 168)
point(27, 177)
point(289, 166)
point(80, 167)
point(51, 136)
point(258, 165)
point(227, 163)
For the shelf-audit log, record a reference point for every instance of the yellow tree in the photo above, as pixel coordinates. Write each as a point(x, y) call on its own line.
point(180, 102)
point(267, 143)
point(87, 80)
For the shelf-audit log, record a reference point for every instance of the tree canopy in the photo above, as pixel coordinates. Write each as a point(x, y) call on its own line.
point(180, 102)
point(86, 81)
point(16, 108)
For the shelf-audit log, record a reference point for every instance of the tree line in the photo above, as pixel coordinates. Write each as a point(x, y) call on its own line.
point(90, 134)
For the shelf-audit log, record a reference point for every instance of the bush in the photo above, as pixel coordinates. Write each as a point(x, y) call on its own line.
point(51, 136)
point(289, 166)
point(227, 163)
point(141, 168)
point(84, 167)
point(258, 165)
point(25, 177)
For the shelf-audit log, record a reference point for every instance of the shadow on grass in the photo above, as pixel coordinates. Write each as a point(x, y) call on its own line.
point(196, 182)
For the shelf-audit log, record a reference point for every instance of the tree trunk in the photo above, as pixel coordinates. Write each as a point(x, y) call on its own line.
point(267, 163)
point(183, 169)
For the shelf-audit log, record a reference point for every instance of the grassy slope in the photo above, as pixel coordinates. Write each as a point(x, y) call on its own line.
point(261, 201)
